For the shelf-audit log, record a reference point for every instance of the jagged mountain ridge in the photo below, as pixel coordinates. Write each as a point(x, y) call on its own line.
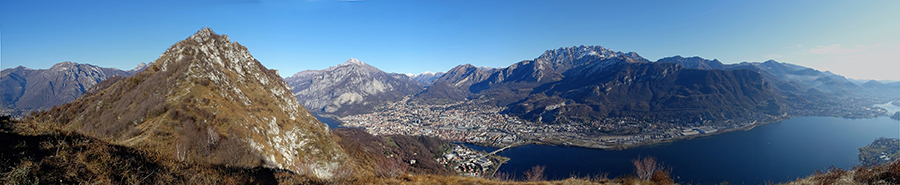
point(655, 91)
point(206, 99)
point(465, 81)
point(353, 87)
point(24, 89)
point(454, 85)
point(801, 78)
point(795, 80)
point(694, 62)
point(427, 78)
point(592, 82)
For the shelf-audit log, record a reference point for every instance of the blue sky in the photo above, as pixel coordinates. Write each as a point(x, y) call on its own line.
point(858, 39)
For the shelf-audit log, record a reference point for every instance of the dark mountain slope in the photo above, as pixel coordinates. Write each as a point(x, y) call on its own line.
point(24, 89)
point(655, 91)
point(502, 86)
point(426, 78)
point(694, 62)
point(454, 85)
point(582, 84)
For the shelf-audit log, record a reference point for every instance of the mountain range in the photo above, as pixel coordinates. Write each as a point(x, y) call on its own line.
point(583, 84)
point(569, 84)
point(25, 90)
point(353, 87)
point(207, 111)
point(427, 78)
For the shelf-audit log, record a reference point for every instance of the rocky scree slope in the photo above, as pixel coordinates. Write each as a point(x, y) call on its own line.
point(25, 90)
point(207, 100)
point(353, 87)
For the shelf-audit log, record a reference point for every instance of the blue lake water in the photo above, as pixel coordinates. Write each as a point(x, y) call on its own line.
point(774, 152)
point(328, 121)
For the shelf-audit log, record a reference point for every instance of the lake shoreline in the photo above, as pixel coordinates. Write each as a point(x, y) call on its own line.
point(809, 143)
point(642, 144)
point(664, 141)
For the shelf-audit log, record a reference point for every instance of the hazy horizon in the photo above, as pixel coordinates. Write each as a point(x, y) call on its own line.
point(853, 39)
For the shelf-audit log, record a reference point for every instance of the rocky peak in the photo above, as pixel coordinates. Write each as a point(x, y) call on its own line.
point(206, 99)
point(206, 34)
point(62, 66)
point(566, 58)
point(140, 66)
point(354, 61)
point(333, 90)
point(426, 78)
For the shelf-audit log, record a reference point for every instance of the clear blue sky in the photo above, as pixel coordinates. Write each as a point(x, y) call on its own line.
point(858, 39)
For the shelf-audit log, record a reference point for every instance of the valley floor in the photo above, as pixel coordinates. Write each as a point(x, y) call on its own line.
point(475, 122)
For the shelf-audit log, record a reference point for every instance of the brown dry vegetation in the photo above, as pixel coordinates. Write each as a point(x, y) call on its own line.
point(42, 153)
point(174, 109)
point(884, 174)
point(390, 156)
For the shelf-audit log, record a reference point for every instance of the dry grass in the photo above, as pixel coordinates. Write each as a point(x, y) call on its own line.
point(70, 158)
point(884, 174)
point(35, 154)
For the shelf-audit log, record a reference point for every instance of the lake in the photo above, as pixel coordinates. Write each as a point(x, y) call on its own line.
point(775, 152)
point(328, 121)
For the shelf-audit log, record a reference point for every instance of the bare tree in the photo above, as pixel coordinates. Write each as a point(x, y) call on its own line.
point(535, 174)
point(502, 176)
point(390, 167)
point(644, 167)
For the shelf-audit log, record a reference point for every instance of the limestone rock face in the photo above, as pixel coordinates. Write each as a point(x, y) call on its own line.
point(207, 99)
point(353, 87)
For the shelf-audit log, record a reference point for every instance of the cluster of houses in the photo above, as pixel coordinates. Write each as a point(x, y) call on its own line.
point(698, 130)
point(466, 161)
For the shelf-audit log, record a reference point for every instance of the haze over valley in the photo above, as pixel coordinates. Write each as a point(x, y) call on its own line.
point(516, 98)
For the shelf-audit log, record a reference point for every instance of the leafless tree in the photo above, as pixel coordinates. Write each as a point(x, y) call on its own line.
point(390, 167)
point(644, 167)
point(502, 176)
point(535, 174)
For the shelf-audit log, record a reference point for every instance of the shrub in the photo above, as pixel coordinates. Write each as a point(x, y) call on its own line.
point(831, 176)
point(501, 176)
point(662, 177)
point(390, 167)
point(646, 166)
